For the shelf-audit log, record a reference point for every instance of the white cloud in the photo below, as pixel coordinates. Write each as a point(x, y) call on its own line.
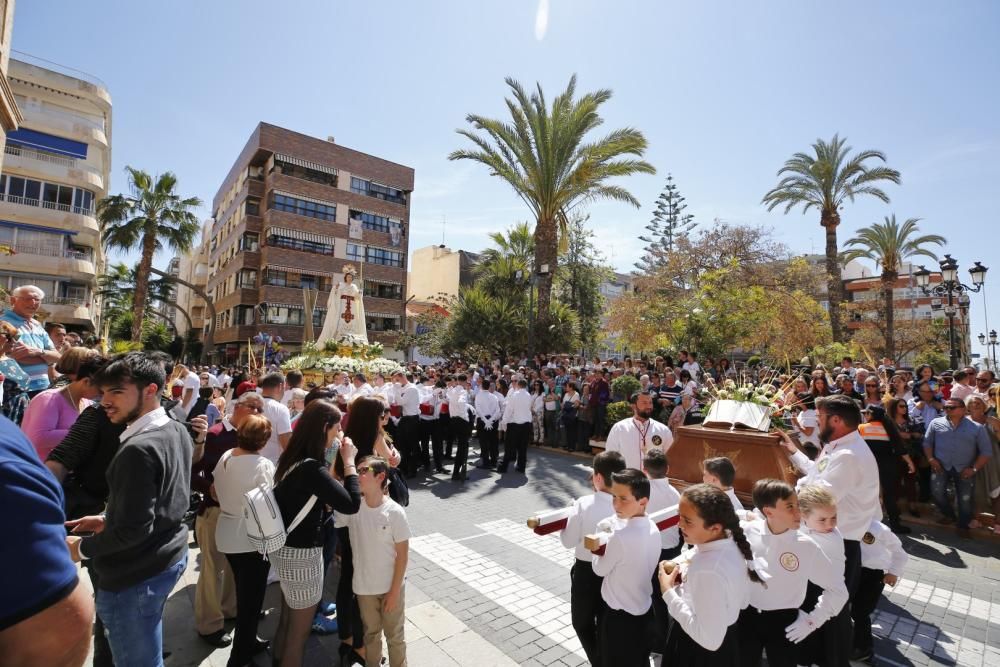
point(542, 19)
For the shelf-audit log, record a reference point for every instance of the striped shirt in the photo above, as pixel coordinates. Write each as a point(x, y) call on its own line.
point(32, 334)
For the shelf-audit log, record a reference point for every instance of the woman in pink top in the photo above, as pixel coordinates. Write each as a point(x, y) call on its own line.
point(50, 414)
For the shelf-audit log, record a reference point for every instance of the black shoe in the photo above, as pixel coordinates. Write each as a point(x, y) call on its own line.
point(861, 654)
point(900, 529)
point(441, 470)
point(219, 639)
point(261, 646)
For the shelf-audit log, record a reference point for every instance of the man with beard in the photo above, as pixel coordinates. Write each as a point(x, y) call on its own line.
point(139, 546)
point(632, 437)
point(847, 468)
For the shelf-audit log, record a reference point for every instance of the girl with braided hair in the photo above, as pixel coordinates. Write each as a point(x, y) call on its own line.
point(706, 587)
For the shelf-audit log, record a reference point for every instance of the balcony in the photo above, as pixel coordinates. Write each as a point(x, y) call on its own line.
point(24, 201)
point(52, 261)
point(21, 151)
point(67, 310)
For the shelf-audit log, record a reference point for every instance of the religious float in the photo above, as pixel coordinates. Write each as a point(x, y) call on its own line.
point(342, 346)
point(738, 424)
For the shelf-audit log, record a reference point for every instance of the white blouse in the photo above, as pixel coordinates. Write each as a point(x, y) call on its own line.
point(234, 476)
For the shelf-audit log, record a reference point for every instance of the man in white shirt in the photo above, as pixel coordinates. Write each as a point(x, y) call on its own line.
point(407, 397)
point(272, 388)
point(847, 468)
point(192, 383)
point(517, 423)
point(293, 381)
point(461, 427)
point(487, 426)
point(692, 366)
point(635, 435)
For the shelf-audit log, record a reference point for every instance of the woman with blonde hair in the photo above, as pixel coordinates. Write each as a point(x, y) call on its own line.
point(987, 490)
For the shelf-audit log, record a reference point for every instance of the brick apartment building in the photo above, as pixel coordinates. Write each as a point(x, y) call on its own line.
point(291, 213)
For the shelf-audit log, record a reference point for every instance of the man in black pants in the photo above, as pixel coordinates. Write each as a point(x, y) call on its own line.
point(461, 427)
point(487, 425)
point(407, 397)
point(517, 417)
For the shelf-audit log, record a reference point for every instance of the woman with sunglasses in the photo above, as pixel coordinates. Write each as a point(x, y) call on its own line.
point(899, 389)
point(883, 438)
point(873, 394)
point(916, 488)
point(987, 494)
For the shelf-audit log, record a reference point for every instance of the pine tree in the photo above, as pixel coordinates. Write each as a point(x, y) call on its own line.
point(668, 224)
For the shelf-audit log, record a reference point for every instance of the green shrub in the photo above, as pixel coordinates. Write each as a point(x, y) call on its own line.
point(619, 411)
point(624, 386)
point(753, 361)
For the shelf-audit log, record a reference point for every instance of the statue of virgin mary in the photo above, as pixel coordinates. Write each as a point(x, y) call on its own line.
point(345, 311)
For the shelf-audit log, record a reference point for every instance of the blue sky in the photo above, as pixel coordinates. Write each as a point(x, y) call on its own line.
point(724, 91)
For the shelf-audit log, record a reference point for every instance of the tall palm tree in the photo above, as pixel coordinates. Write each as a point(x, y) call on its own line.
point(151, 217)
point(824, 181)
point(889, 245)
point(544, 154)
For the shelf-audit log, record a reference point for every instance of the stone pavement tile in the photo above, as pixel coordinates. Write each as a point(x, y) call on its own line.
point(436, 622)
point(469, 648)
point(425, 652)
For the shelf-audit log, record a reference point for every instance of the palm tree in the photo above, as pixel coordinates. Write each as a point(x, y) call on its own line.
point(543, 153)
point(824, 181)
point(518, 242)
point(889, 244)
point(152, 217)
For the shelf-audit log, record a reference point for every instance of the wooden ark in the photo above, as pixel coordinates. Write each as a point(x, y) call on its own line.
point(755, 455)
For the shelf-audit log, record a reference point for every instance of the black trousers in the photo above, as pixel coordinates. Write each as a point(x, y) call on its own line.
point(888, 477)
point(682, 650)
point(869, 591)
point(250, 575)
point(489, 443)
point(830, 644)
point(660, 620)
point(585, 606)
point(447, 436)
point(852, 567)
point(408, 444)
point(348, 613)
point(426, 435)
point(622, 639)
point(762, 631)
point(438, 428)
point(515, 448)
point(462, 429)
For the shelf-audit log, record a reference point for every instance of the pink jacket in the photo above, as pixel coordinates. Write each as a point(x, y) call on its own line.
point(47, 420)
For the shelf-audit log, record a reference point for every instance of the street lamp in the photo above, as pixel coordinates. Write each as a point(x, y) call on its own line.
point(991, 351)
point(951, 287)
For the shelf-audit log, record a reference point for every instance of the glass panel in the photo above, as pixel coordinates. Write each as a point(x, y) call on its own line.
point(16, 186)
point(32, 189)
point(50, 193)
point(65, 196)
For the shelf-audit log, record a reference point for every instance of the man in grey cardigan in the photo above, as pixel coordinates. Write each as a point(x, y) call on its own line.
point(139, 546)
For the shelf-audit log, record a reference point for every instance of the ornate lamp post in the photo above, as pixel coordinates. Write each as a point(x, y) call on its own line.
point(950, 287)
point(991, 351)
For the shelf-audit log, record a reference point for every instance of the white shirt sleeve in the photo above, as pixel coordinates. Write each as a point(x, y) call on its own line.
point(572, 534)
point(825, 575)
point(604, 564)
point(699, 616)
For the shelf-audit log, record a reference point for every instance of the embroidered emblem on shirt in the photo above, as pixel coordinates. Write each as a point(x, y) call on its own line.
point(789, 561)
point(822, 464)
point(657, 440)
point(868, 538)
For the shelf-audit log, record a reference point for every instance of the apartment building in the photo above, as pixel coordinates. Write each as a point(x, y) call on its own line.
point(10, 115)
point(438, 271)
point(56, 167)
point(193, 269)
point(291, 213)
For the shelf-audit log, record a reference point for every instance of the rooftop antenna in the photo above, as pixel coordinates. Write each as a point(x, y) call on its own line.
point(443, 223)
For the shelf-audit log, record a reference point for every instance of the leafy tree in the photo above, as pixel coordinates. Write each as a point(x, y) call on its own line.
point(889, 245)
point(669, 222)
point(151, 217)
point(824, 181)
point(544, 153)
point(582, 269)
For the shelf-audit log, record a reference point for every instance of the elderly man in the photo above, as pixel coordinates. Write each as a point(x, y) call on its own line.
point(924, 407)
point(956, 448)
point(859, 380)
point(34, 350)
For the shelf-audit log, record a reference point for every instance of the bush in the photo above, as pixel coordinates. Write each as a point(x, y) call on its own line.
point(619, 411)
point(624, 386)
point(753, 361)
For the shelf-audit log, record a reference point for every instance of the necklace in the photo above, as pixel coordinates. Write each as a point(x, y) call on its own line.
point(72, 399)
point(642, 431)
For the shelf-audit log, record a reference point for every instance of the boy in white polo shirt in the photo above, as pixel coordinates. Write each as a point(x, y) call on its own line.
point(380, 538)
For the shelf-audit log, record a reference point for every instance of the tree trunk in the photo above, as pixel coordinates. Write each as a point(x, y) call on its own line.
point(546, 252)
point(142, 284)
point(888, 282)
point(830, 220)
point(209, 341)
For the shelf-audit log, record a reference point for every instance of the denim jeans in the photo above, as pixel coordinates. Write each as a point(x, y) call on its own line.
point(133, 618)
point(963, 490)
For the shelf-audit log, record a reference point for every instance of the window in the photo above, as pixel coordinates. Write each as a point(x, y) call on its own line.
point(382, 322)
point(377, 223)
point(250, 242)
point(305, 173)
point(34, 242)
point(384, 257)
point(276, 278)
point(243, 315)
point(355, 252)
point(310, 282)
point(302, 207)
point(76, 293)
point(49, 195)
point(319, 314)
point(284, 315)
point(362, 187)
point(246, 278)
point(252, 206)
point(383, 291)
point(298, 244)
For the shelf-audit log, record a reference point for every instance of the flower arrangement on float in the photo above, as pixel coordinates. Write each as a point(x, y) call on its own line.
point(350, 354)
point(744, 404)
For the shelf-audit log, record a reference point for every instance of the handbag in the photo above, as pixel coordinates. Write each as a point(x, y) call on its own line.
point(399, 490)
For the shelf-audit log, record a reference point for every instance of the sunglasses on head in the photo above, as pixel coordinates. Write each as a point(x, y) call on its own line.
point(954, 407)
point(364, 469)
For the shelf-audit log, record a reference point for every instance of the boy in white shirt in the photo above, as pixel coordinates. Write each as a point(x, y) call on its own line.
point(585, 586)
point(628, 564)
point(661, 496)
point(882, 562)
point(380, 538)
point(721, 473)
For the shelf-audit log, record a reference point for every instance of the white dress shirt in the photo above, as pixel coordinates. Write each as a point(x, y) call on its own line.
point(793, 560)
point(458, 402)
point(832, 545)
point(632, 438)
point(408, 398)
point(518, 407)
point(741, 511)
point(583, 518)
point(152, 419)
point(847, 468)
point(427, 398)
point(662, 496)
point(713, 589)
point(628, 563)
point(487, 407)
point(882, 550)
point(364, 390)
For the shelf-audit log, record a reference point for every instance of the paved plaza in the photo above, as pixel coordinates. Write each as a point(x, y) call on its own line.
point(483, 590)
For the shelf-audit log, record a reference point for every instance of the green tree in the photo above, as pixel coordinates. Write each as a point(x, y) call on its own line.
point(825, 181)
point(582, 269)
point(544, 153)
point(669, 222)
point(151, 217)
point(517, 243)
point(889, 244)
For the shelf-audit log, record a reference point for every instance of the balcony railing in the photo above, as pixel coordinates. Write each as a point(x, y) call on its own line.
point(45, 251)
point(41, 156)
point(66, 301)
point(25, 201)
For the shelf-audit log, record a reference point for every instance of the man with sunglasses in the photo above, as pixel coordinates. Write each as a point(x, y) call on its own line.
point(956, 448)
point(984, 380)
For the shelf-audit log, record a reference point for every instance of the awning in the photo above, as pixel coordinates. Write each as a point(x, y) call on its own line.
point(37, 228)
point(300, 270)
point(376, 314)
point(390, 218)
point(48, 142)
point(322, 202)
point(383, 282)
point(302, 236)
point(305, 163)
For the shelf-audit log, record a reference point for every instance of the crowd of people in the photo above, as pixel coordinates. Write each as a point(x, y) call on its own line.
point(106, 460)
